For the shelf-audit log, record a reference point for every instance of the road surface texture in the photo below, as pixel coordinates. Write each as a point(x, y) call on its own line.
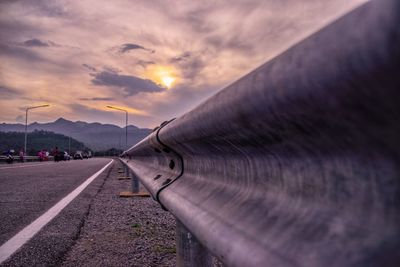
point(96, 229)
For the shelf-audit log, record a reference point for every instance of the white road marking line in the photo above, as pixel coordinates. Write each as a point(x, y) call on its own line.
point(22, 166)
point(17, 241)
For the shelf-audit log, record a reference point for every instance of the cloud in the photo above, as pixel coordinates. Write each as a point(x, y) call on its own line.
point(180, 101)
point(190, 63)
point(35, 42)
point(20, 53)
point(4, 90)
point(111, 69)
point(126, 48)
point(7, 92)
point(145, 63)
point(182, 57)
point(12, 29)
point(50, 8)
point(42, 8)
point(89, 67)
point(131, 85)
point(221, 43)
point(97, 99)
point(197, 20)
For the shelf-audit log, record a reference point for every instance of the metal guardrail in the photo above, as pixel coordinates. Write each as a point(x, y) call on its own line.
point(297, 163)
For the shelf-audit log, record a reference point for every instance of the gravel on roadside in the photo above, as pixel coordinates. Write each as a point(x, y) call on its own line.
point(123, 231)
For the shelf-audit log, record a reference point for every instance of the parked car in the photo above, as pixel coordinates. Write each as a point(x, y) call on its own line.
point(85, 155)
point(78, 155)
point(9, 156)
point(66, 156)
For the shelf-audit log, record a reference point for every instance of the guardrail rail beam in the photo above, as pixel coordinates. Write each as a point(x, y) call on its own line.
point(296, 163)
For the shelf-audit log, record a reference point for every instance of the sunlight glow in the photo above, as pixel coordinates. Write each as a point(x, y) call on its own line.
point(163, 75)
point(131, 110)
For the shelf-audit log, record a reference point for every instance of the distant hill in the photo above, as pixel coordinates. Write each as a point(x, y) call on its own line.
point(96, 136)
point(37, 141)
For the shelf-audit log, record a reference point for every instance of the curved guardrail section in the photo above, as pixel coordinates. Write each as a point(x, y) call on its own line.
point(296, 163)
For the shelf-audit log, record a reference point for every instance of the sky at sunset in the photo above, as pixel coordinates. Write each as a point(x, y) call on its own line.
point(157, 58)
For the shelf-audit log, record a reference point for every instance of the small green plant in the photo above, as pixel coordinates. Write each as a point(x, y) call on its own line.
point(135, 225)
point(161, 249)
point(137, 229)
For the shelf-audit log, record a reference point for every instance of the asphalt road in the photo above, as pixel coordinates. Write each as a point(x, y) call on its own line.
point(29, 190)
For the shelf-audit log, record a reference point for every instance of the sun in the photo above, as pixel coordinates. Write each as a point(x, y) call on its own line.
point(163, 75)
point(167, 81)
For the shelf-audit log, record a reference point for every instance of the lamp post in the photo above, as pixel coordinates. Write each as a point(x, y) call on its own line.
point(126, 124)
point(26, 123)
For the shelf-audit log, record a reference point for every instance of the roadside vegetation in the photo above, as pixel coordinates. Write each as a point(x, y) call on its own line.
point(39, 140)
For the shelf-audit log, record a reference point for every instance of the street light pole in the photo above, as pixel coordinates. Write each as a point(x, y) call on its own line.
point(126, 124)
point(26, 124)
point(26, 130)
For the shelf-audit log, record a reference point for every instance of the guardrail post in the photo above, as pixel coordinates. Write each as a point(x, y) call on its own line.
point(126, 170)
point(189, 251)
point(129, 174)
point(135, 182)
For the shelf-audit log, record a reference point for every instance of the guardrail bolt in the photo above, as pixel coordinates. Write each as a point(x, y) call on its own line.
point(166, 181)
point(171, 164)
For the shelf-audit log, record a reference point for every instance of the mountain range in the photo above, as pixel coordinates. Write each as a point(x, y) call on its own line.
point(95, 135)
